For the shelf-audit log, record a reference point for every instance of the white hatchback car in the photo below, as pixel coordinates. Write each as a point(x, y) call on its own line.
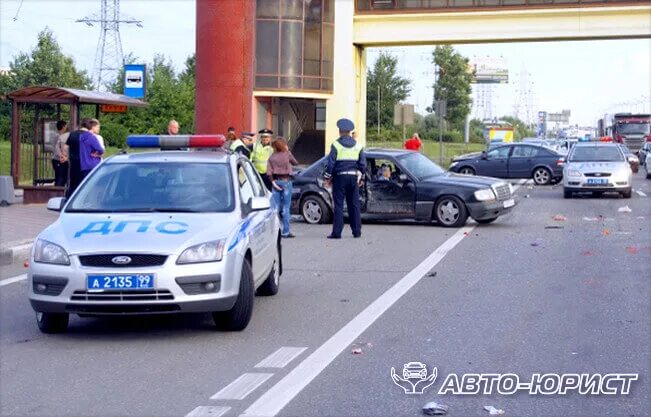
point(159, 232)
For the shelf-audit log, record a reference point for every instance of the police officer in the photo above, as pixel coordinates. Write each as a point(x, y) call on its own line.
point(260, 155)
point(345, 168)
point(243, 145)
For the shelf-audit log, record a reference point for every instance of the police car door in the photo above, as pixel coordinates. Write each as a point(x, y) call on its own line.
point(260, 228)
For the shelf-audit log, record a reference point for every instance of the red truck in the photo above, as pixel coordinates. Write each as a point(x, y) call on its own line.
point(629, 129)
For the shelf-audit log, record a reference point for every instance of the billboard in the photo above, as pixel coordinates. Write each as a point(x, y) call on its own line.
point(489, 70)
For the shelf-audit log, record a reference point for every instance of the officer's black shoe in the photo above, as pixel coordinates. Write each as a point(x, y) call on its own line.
point(357, 235)
point(333, 237)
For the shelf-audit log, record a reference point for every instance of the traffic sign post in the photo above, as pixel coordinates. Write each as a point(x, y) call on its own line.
point(403, 114)
point(441, 109)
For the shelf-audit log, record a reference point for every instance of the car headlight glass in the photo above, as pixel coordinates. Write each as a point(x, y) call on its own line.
point(573, 173)
point(453, 164)
point(204, 252)
point(511, 190)
point(485, 195)
point(49, 253)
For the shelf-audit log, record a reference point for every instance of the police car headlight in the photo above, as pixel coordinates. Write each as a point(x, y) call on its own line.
point(573, 173)
point(485, 195)
point(204, 252)
point(50, 253)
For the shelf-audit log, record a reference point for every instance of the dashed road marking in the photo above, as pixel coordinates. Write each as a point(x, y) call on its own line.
point(208, 411)
point(281, 358)
point(12, 280)
point(276, 398)
point(241, 387)
point(640, 193)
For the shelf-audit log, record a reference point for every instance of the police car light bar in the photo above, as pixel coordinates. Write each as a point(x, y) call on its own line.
point(175, 141)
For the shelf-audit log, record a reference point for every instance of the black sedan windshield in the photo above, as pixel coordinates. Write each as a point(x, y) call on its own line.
point(156, 187)
point(420, 166)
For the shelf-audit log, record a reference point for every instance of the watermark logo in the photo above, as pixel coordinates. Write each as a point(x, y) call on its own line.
point(414, 378)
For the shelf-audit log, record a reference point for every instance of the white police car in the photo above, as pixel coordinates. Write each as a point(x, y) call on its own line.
point(159, 232)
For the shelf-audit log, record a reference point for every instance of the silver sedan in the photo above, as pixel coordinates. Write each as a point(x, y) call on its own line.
point(596, 167)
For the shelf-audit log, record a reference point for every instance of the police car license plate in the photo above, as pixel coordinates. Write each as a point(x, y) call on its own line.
point(120, 282)
point(597, 181)
point(509, 203)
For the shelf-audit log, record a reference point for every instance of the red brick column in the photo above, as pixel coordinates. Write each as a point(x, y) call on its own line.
point(224, 67)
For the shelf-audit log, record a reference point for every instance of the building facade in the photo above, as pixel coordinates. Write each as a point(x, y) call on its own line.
point(296, 66)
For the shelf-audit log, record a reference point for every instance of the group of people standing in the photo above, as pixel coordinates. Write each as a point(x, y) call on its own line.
point(76, 153)
point(274, 162)
point(344, 173)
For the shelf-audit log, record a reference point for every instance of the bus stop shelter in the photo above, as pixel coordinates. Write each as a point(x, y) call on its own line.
point(34, 113)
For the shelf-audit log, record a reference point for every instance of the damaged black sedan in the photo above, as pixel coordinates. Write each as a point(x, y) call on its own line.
point(403, 184)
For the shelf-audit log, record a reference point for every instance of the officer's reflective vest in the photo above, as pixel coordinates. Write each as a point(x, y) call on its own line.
point(347, 154)
point(260, 156)
point(236, 144)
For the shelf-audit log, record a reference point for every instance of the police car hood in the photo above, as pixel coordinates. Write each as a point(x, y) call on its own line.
point(161, 233)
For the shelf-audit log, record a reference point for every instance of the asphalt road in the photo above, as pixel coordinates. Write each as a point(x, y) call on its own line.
point(513, 297)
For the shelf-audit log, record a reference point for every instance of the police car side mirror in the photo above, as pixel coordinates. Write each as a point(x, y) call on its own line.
point(259, 203)
point(56, 203)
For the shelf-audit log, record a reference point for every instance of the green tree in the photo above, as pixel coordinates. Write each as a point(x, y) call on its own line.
point(453, 84)
point(45, 65)
point(385, 86)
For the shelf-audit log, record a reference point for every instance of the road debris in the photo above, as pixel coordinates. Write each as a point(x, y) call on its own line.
point(535, 243)
point(527, 196)
point(625, 209)
point(559, 218)
point(554, 227)
point(432, 274)
point(494, 411)
point(26, 263)
point(632, 250)
point(357, 351)
point(606, 232)
point(591, 219)
point(433, 408)
point(588, 253)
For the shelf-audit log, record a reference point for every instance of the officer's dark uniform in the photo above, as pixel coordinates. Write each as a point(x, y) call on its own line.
point(345, 161)
point(239, 146)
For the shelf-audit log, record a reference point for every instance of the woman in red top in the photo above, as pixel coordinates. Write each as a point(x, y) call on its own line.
point(413, 144)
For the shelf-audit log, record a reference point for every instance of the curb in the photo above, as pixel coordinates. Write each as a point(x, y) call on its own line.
point(10, 254)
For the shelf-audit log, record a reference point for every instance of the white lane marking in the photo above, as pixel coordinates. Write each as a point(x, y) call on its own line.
point(281, 358)
point(241, 387)
point(640, 193)
point(12, 280)
point(274, 400)
point(208, 411)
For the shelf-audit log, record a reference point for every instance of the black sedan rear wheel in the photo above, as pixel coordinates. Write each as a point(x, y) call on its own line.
point(450, 211)
point(314, 210)
point(542, 176)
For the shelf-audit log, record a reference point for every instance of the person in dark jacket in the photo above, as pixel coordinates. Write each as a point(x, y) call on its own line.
point(344, 171)
point(244, 145)
point(74, 163)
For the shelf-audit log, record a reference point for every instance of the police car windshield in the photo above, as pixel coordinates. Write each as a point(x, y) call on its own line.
point(596, 154)
point(420, 166)
point(156, 187)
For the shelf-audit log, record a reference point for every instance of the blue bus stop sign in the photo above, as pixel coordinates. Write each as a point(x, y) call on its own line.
point(134, 81)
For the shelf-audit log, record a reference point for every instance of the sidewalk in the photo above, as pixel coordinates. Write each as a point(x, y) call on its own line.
point(19, 225)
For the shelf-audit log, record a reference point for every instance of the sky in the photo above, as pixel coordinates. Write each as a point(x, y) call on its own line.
point(590, 78)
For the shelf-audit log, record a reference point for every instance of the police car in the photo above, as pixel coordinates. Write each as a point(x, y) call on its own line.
point(159, 232)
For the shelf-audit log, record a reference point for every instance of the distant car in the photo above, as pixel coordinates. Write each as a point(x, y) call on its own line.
point(158, 232)
point(633, 160)
point(414, 370)
point(643, 152)
point(417, 189)
point(647, 165)
point(597, 167)
point(515, 160)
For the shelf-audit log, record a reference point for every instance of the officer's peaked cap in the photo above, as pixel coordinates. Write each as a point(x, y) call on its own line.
point(266, 132)
point(345, 125)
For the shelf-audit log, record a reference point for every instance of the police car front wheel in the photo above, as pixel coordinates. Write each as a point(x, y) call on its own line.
point(52, 322)
point(238, 317)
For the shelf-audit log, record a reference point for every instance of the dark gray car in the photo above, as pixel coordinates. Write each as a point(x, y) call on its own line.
point(515, 160)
